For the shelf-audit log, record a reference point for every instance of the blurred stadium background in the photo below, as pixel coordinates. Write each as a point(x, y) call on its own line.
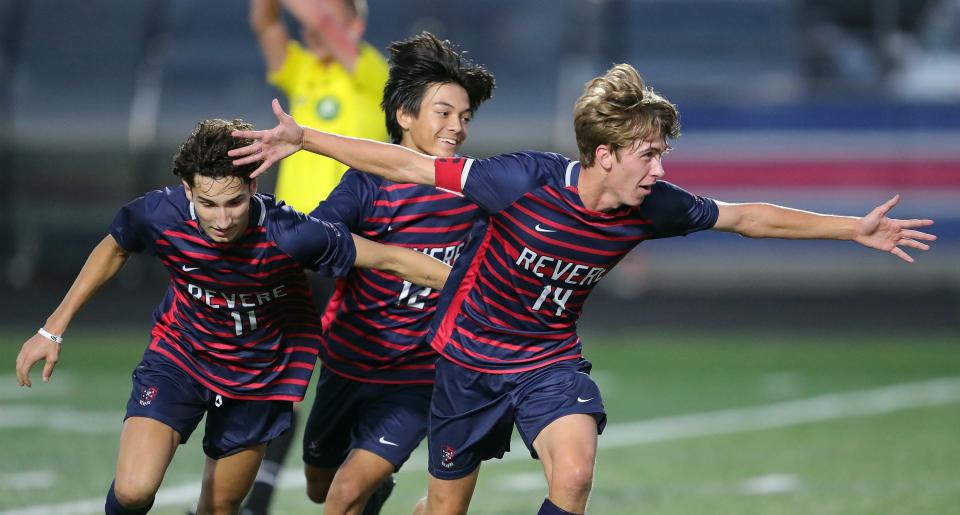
point(826, 105)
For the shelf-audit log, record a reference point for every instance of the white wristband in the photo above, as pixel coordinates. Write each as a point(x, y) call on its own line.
point(50, 336)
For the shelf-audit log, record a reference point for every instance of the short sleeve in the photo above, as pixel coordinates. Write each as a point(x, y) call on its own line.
point(349, 202)
point(674, 211)
point(319, 245)
point(129, 226)
point(494, 183)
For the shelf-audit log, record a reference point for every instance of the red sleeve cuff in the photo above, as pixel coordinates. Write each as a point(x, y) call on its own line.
point(448, 173)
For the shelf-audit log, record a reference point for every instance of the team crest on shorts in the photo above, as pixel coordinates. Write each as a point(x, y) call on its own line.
point(148, 394)
point(313, 448)
point(447, 454)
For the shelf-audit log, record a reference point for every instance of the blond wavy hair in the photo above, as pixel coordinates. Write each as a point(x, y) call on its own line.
point(619, 110)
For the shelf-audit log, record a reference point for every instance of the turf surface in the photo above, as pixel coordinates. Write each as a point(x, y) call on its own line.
point(60, 438)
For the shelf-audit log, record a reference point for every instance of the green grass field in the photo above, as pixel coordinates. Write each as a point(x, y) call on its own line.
point(753, 423)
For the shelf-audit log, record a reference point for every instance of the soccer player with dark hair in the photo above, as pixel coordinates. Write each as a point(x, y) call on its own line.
point(552, 229)
point(235, 337)
point(373, 394)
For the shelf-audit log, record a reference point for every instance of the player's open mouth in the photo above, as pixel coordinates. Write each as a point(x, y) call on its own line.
point(448, 141)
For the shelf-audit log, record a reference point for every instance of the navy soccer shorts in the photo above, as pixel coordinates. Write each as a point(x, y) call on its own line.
point(389, 420)
point(473, 413)
point(164, 392)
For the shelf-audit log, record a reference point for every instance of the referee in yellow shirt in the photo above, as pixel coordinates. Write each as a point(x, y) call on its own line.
point(333, 82)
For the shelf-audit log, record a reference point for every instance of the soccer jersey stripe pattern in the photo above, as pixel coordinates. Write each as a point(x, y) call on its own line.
point(514, 302)
point(376, 324)
point(238, 316)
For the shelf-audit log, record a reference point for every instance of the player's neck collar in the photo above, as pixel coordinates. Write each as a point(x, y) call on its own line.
point(572, 175)
point(261, 215)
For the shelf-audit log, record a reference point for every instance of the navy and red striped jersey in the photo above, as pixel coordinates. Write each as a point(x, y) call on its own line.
point(512, 302)
point(376, 324)
point(237, 316)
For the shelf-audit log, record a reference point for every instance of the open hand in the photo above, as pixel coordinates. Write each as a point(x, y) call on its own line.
point(889, 234)
point(269, 146)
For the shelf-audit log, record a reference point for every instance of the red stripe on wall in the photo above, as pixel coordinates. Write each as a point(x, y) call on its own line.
point(852, 174)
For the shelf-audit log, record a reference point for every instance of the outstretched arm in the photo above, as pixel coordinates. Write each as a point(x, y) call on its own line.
point(392, 162)
point(267, 25)
point(407, 264)
point(874, 230)
point(102, 264)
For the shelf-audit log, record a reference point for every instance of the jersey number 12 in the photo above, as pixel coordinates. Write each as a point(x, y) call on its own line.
point(413, 298)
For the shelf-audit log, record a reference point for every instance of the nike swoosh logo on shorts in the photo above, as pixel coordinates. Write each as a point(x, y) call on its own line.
point(584, 400)
point(384, 441)
point(543, 229)
point(189, 268)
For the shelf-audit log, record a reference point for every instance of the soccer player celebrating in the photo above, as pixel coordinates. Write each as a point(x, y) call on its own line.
point(553, 228)
point(373, 395)
point(235, 337)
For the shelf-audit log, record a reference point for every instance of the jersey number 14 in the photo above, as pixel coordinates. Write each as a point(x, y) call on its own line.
point(560, 297)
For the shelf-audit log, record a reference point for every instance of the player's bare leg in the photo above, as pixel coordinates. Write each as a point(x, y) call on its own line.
point(568, 449)
point(146, 448)
point(449, 496)
point(318, 482)
point(354, 482)
point(226, 481)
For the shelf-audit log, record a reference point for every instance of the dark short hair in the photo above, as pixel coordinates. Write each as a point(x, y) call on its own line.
point(205, 152)
point(420, 62)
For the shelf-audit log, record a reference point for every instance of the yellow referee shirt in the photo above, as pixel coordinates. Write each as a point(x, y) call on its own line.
point(328, 98)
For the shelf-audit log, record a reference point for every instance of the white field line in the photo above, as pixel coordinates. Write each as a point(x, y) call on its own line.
point(770, 484)
point(32, 480)
point(782, 414)
point(64, 383)
point(525, 482)
point(61, 419)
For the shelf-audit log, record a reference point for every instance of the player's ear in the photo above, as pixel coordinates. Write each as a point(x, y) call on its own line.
point(187, 191)
point(253, 187)
point(404, 118)
point(604, 157)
